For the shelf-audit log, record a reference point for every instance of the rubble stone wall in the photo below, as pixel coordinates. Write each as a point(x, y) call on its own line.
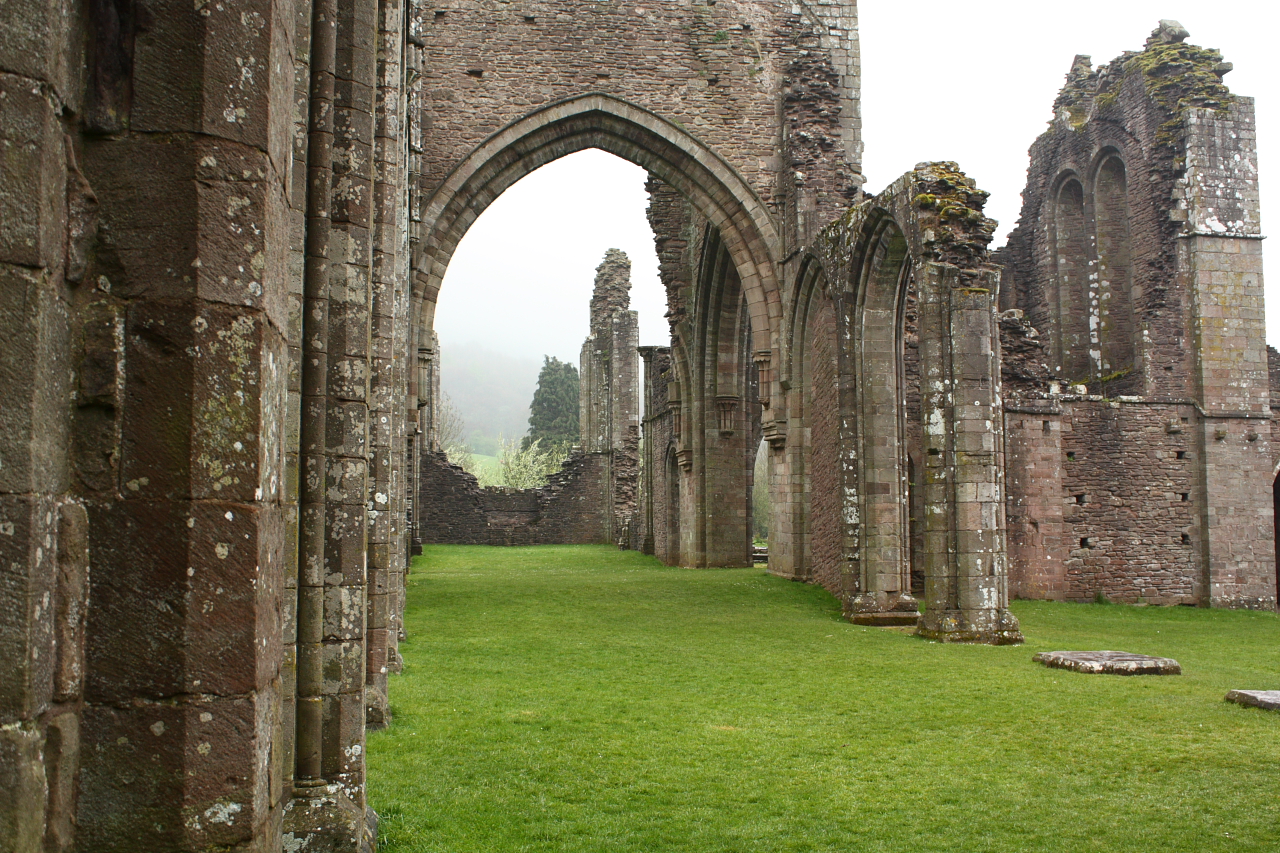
point(455, 510)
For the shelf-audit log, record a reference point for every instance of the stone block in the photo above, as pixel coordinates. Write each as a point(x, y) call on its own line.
point(62, 762)
point(155, 243)
point(170, 776)
point(156, 438)
point(185, 599)
point(72, 600)
point(24, 792)
point(32, 175)
point(34, 371)
point(344, 727)
point(1268, 700)
point(238, 402)
point(343, 667)
point(28, 573)
point(344, 613)
point(1115, 663)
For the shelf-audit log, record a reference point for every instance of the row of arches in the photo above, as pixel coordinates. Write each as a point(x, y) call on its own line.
point(811, 353)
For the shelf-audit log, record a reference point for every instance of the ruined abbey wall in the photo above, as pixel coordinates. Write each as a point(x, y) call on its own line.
point(1140, 457)
point(568, 510)
point(224, 232)
point(592, 499)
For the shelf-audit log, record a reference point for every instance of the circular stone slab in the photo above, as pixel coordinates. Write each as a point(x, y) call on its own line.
point(1266, 699)
point(1116, 663)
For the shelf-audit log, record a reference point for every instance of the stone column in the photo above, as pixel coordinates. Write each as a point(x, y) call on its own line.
point(389, 345)
point(187, 519)
point(966, 588)
point(327, 812)
point(609, 391)
point(43, 556)
point(1220, 262)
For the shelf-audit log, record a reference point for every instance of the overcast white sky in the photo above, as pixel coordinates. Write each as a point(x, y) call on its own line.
point(971, 82)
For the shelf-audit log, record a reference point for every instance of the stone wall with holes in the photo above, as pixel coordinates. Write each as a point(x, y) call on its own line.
point(1135, 340)
point(1102, 501)
point(455, 510)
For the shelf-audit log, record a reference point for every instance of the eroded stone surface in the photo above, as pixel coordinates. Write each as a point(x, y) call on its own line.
point(1114, 663)
point(1266, 699)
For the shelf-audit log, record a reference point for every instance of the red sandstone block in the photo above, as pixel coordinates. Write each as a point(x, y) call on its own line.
point(32, 177)
point(344, 725)
point(28, 569)
point(165, 776)
point(186, 600)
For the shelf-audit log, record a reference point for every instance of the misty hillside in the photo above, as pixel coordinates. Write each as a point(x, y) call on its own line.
point(491, 391)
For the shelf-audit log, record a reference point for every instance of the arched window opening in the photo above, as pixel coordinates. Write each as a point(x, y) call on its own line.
point(1077, 338)
point(1114, 297)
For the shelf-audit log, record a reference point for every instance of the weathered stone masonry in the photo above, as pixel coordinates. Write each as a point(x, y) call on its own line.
point(1140, 458)
point(225, 228)
point(591, 500)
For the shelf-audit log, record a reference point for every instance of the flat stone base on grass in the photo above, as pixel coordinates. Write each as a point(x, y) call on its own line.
point(885, 620)
point(1266, 699)
point(1116, 663)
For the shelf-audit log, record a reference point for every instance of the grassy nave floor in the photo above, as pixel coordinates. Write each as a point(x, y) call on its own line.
point(586, 699)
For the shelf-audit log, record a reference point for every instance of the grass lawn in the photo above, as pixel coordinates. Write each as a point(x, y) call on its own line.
point(586, 699)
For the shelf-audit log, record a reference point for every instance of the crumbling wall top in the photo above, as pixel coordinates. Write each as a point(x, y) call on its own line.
point(613, 285)
point(1176, 76)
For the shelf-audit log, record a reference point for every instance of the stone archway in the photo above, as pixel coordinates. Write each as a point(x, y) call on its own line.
point(736, 281)
point(610, 124)
point(925, 231)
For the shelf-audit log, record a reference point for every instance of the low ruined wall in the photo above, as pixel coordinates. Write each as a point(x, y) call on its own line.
point(569, 510)
point(1102, 498)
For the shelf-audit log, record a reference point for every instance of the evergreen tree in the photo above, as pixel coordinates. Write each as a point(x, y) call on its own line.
point(553, 414)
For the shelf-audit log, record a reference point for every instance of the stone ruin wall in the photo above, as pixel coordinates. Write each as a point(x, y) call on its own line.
point(1149, 480)
point(568, 510)
point(714, 67)
point(593, 498)
point(214, 228)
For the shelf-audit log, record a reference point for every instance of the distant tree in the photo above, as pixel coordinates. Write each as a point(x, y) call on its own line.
point(451, 430)
point(553, 414)
point(526, 467)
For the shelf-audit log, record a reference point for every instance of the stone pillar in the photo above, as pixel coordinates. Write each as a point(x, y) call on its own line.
point(966, 588)
point(609, 389)
point(187, 518)
point(327, 812)
point(1220, 262)
point(46, 209)
point(389, 347)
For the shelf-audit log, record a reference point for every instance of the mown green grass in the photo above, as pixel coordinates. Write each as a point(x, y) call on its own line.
point(585, 699)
